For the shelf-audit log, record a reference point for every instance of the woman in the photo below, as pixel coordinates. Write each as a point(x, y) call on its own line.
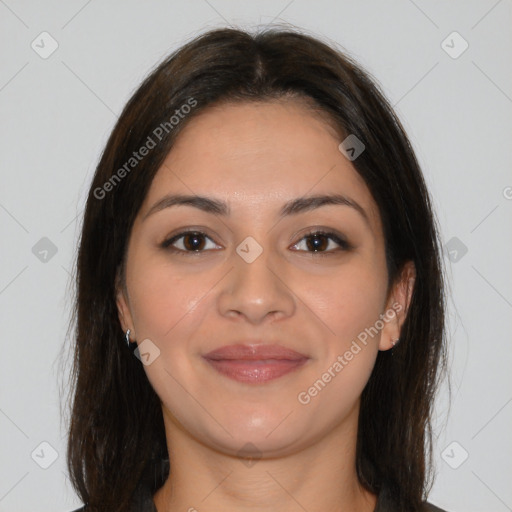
point(260, 305)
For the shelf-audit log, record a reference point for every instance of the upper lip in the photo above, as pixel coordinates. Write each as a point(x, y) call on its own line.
point(254, 353)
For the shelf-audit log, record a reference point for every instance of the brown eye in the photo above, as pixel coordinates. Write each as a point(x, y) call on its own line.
point(321, 243)
point(317, 242)
point(193, 241)
point(188, 241)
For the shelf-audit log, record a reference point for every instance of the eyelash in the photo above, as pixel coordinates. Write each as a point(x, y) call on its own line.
point(344, 245)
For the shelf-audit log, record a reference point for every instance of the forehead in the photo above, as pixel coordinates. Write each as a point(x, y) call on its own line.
point(259, 153)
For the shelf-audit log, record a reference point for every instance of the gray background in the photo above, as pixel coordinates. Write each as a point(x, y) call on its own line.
point(56, 113)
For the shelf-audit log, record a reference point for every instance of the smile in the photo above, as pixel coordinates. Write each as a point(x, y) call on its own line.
point(255, 363)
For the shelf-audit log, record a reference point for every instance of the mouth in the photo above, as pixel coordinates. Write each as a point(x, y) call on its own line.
point(255, 363)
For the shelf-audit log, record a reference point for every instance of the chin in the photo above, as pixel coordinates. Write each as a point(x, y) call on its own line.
point(264, 434)
point(247, 443)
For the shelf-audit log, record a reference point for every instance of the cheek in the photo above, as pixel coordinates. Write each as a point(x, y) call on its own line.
point(162, 298)
point(349, 303)
point(348, 300)
point(167, 305)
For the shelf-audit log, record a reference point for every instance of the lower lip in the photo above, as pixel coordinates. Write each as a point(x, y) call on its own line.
point(256, 371)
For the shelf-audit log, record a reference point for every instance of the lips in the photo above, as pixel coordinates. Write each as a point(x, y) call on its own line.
point(255, 363)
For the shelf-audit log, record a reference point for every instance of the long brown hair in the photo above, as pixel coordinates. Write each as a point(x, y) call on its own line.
point(116, 433)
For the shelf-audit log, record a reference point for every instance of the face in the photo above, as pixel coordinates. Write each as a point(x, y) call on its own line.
point(257, 263)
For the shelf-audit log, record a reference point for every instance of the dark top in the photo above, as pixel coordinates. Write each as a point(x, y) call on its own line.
point(143, 502)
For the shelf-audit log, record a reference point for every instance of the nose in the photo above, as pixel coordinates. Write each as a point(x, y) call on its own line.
point(256, 290)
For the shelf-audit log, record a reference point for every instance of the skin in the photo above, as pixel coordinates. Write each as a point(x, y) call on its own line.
point(256, 157)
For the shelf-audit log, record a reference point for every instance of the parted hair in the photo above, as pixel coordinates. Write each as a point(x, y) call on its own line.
point(116, 438)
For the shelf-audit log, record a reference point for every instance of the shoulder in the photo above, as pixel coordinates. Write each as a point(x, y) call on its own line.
point(428, 507)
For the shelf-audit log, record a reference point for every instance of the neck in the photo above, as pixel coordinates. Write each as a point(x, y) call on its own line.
point(321, 476)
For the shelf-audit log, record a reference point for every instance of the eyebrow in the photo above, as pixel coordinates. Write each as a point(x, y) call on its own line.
point(293, 207)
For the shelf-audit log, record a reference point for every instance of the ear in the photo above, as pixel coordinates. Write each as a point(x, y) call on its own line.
point(123, 308)
point(397, 306)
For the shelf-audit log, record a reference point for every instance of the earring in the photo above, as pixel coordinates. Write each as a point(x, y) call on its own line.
point(127, 338)
point(394, 342)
